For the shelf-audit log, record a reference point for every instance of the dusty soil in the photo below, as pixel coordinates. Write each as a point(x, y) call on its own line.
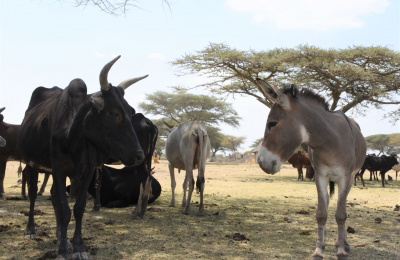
point(249, 215)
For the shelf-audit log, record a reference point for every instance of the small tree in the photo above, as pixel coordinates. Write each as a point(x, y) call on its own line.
point(233, 143)
point(385, 144)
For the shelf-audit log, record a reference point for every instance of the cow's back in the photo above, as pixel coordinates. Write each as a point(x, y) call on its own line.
point(182, 144)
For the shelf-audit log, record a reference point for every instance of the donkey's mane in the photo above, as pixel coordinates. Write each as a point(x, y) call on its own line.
point(305, 94)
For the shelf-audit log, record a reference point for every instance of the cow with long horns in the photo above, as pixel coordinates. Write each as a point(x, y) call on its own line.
point(69, 133)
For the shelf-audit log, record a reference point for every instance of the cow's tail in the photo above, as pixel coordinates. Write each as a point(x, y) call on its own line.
point(331, 188)
point(200, 160)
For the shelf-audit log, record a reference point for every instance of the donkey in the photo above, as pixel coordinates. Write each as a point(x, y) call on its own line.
point(336, 148)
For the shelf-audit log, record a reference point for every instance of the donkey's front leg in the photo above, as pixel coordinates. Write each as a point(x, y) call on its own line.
point(343, 247)
point(322, 215)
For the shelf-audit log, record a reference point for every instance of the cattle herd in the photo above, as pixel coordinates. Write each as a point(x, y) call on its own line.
point(67, 133)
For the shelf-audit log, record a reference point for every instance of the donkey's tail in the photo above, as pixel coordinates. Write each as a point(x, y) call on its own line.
point(331, 188)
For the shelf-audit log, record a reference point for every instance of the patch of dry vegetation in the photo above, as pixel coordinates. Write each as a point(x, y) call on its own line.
point(274, 217)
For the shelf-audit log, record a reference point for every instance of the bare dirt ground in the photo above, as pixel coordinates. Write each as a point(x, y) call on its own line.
point(249, 215)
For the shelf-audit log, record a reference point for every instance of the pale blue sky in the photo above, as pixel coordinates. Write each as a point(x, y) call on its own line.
point(49, 43)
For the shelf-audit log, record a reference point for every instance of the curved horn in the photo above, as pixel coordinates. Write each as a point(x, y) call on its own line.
point(2, 109)
point(125, 84)
point(104, 74)
point(169, 126)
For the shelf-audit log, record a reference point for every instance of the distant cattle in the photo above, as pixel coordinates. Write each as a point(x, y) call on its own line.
point(8, 152)
point(300, 160)
point(372, 163)
point(67, 132)
point(11, 153)
point(396, 168)
point(187, 148)
point(131, 185)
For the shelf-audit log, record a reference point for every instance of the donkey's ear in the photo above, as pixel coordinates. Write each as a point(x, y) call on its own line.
point(274, 94)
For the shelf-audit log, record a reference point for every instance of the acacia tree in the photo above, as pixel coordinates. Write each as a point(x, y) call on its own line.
point(185, 107)
point(385, 144)
point(233, 143)
point(113, 7)
point(353, 78)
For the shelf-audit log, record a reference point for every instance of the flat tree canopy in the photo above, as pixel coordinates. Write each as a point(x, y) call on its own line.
point(353, 78)
point(114, 7)
point(385, 144)
point(184, 107)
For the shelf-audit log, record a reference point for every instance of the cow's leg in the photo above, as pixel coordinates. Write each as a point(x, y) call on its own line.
point(184, 186)
point(343, 247)
point(97, 188)
point(33, 180)
point(322, 213)
point(24, 183)
point(298, 174)
point(200, 184)
point(43, 187)
point(136, 212)
point(383, 178)
point(145, 197)
point(3, 163)
point(301, 174)
point(79, 208)
point(370, 175)
point(173, 184)
point(190, 182)
point(362, 179)
point(62, 210)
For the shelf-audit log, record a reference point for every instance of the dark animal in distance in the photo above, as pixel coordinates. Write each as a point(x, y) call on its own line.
point(335, 145)
point(300, 160)
point(68, 133)
point(11, 153)
point(383, 164)
point(130, 185)
point(187, 148)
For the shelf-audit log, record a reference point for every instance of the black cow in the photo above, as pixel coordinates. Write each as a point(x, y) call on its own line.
point(10, 151)
point(121, 187)
point(373, 163)
point(70, 133)
point(136, 181)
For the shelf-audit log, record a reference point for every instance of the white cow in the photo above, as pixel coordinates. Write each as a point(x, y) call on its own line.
point(396, 168)
point(187, 148)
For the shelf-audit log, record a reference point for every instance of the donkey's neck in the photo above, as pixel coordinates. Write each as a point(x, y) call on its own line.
point(321, 127)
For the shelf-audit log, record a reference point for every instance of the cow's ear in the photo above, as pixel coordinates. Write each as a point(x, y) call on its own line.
point(274, 94)
point(97, 103)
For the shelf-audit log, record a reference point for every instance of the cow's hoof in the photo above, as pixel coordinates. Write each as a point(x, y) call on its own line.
point(200, 213)
point(95, 209)
point(30, 236)
point(80, 256)
point(60, 257)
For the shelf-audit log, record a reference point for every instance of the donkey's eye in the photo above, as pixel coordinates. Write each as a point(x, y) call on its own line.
point(271, 124)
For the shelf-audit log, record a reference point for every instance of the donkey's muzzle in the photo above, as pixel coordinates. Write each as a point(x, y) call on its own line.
point(269, 162)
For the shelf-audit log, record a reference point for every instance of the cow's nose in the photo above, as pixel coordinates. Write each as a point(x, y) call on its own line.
point(139, 157)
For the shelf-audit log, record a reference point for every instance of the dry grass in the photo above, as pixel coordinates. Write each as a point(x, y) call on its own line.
point(239, 199)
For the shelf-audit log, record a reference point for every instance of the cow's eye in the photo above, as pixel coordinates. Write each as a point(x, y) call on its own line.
point(116, 115)
point(271, 124)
